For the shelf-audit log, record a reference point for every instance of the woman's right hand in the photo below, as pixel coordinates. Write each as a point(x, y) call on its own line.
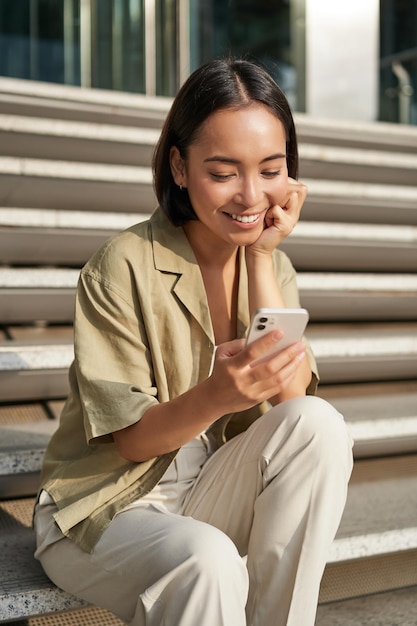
point(236, 383)
point(239, 381)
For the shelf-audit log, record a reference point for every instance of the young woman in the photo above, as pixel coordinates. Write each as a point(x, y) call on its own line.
point(189, 483)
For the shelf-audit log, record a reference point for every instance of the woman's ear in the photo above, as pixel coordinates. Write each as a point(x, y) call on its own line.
point(177, 164)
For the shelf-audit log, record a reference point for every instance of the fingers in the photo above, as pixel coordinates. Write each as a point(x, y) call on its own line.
point(297, 193)
point(230, 348)
point(246, 377)
point(266, 350)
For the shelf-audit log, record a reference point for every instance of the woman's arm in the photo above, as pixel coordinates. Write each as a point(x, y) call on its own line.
point(234, 385)
point(264, 291)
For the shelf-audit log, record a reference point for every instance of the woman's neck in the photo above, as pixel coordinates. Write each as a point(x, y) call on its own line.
point(210, 253)
point(219, 265)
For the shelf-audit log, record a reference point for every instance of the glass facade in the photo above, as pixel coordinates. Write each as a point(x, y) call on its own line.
point(398, 52)
point(150, 46)
point(105, 43)
point(36, 42)
point(259, 30)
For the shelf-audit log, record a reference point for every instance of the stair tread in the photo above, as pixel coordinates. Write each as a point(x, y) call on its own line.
point(330, 342)
point(374, 483)
point(24, 587)
point(367, 202)
point(358, 156)
point(394, 608)
point(67, 219)
point(63, 277)
point(23, 124)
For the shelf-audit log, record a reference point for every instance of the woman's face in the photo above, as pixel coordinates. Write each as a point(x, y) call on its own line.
point(235, 171)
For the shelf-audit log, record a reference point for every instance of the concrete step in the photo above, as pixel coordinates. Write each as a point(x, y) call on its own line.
point(114, 143)
point(360, 202)
point(365, 352)
point(57, 237)
point(33, 98)
point(37, 369)
point(32, 137)
point(25, 430)
point(368, 166)
point(25, 590)
point(42, 236)
point(375, 549)
point(353, 297)
point(382, 417)
point(62, 140)
point(356, 134)
point(392, 608)
point(335, 246)
point(69, 185)
point(73, 185)
point(30, 294)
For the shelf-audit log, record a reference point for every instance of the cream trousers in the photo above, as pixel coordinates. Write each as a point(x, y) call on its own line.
point(274, 494)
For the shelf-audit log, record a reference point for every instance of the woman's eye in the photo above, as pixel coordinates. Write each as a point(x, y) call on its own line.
point(221, 176)
point(271, 174)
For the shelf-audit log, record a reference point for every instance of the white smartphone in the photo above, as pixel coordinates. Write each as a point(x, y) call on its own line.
point(292, 322)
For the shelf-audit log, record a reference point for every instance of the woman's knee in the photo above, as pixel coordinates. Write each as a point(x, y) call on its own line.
point(317, 425)
point(214, 553)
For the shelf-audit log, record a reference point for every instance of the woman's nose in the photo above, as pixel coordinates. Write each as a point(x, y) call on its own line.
point(250, 192)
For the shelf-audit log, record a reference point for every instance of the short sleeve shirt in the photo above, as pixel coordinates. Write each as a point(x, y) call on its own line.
point(142, 335)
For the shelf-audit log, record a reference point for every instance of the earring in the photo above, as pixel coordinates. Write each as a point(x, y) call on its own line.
point(180, 187)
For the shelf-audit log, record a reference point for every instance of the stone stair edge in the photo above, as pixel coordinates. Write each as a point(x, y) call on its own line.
point(10, 165)
point(116, 102)
point(28, 277)
point(56, 218)
point(142, 136)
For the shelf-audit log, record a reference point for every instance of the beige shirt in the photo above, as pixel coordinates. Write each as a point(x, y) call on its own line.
point(143, 335)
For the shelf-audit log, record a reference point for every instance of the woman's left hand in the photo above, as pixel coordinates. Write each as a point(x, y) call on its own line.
point(280, 220)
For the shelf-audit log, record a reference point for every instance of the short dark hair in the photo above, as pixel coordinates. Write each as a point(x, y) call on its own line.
point(219, 84)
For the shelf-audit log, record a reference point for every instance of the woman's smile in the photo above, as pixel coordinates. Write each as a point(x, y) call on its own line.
point(245, 219)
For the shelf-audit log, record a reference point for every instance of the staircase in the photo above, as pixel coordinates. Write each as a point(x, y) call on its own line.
point(74, 169)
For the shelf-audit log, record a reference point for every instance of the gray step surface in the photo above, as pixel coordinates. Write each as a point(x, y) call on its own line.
point(30, 293)
point(382, 420)
point(33, 98)
point(382, 417)
point(368, 166)
point(368, 532)
point(25, 590)
point(47, 100)
point(28, 137)
point(393, 608)
point(57, 237)
point(38, 236)
point(335, 246)
point(25, 430)
point(360, 202)
point(364, 352)
point(344, 353)
point(376, 545)
point(32, 137)
point(356, 134)
point(68, 185)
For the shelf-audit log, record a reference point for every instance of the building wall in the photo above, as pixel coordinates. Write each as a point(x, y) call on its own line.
point(342, 59)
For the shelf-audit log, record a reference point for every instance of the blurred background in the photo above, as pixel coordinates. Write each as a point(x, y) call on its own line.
point(356, 59)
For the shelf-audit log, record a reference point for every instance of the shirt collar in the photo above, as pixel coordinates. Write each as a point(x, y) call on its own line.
point(173, 254)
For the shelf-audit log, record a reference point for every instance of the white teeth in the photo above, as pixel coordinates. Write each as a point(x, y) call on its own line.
point(246, 219)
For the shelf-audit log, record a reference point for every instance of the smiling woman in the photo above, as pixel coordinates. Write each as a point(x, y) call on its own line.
point(226, 178)
point(181, 450)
